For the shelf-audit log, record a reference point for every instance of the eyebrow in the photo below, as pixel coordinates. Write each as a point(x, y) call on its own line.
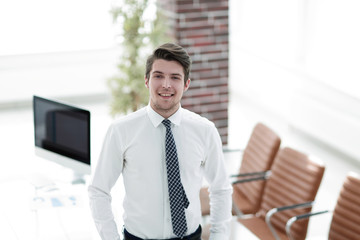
point(157, 72)
point(173, 74)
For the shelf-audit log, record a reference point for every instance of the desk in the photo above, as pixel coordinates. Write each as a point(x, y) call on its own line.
point(56, 212)
point(17, 219)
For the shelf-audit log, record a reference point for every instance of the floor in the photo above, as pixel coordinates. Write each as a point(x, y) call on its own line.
point(18, 155)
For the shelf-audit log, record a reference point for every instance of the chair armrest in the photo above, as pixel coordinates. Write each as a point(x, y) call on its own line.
point(294, 206)
point(250, 179)
point(263, 173)
point(271, 212)
point(226, 149)
point(299, 217)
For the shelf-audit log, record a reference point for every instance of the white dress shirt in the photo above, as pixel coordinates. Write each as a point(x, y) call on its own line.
point(134, 146)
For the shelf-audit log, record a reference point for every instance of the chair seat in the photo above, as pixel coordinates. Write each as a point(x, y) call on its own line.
point(346, 216)
point(295, 178)
point(259, 227)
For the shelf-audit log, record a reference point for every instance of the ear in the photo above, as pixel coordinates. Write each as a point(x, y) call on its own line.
point(187, 85)
point(146, 81)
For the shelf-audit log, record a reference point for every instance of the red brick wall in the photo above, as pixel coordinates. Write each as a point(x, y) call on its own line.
point(202, 27)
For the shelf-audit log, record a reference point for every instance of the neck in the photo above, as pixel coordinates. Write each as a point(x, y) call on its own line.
point(165, 113)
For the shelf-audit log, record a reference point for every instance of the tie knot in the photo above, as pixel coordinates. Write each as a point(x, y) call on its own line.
point(167, 123)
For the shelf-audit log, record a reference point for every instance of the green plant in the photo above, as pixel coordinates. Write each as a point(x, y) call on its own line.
point(140, 34)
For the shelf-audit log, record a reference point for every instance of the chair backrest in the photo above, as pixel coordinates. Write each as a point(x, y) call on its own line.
point(345, 223)
point(295, 178)
point(258, 156)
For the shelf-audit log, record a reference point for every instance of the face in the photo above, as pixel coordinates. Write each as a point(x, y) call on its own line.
point(166, 86)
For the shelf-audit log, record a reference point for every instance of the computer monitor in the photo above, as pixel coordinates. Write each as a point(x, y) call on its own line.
point(62, 135)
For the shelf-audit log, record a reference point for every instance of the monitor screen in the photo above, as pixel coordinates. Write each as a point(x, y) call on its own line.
point(62, 133)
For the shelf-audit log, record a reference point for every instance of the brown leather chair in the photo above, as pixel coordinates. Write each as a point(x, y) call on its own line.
point(257, 159)
point(345, 223)
point(294, 180)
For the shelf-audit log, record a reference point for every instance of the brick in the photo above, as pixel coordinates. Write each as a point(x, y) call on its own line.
point(202, 27)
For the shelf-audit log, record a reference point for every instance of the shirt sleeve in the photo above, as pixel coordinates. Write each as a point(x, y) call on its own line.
point(107, 172)
point(219, 187)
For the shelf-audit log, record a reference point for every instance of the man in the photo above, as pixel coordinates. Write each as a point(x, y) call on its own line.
point(163, 152)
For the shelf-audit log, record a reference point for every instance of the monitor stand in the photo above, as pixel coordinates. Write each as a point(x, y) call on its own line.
point(78, 179)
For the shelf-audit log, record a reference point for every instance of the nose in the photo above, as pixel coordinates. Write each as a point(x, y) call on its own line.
point(166, 82)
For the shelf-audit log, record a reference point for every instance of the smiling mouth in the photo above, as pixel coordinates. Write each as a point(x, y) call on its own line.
point(166, 94)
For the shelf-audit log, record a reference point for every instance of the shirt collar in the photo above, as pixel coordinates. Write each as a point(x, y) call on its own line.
point(156, 118)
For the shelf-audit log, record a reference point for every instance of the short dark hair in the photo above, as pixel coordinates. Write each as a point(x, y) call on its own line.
point(170, 52)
